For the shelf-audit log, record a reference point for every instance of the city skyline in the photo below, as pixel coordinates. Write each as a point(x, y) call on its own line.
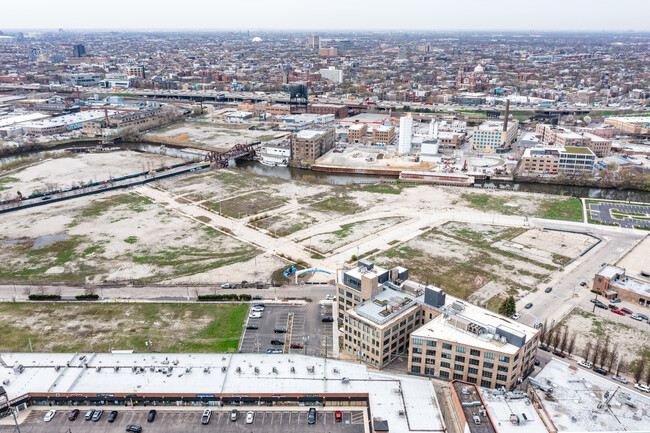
point(257, 15)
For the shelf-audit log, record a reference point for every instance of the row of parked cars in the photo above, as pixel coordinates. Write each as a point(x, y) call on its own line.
point(621, 311)
point(96, 414)
point(250, 416)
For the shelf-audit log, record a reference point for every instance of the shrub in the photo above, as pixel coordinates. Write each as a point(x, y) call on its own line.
point(87, 297)
point(44, 297)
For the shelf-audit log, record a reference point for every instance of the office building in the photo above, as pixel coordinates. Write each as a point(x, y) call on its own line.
point(612, 282)
point(328, 52)
point(495, 136)
point(78, 50)
point(339, 111)
point(582, 97)
point(383, 135)
point(332, 74)
point(576, 160)
point(405, 134)
point(540, 160)
point(474, 345)
point(357, 132)
point(85, 79)
point(135, 71)
point(310, 144)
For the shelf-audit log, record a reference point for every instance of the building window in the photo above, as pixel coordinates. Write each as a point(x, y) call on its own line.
point(505, 359)
point(459, 367)
point(417, 341)
point(503, 368)
point(459, 358)
point(471, 370)
point(460, 349)
point(444, 374)
point(502, 377)
point(429, 361)
point(415, 369)
point(474, 352)
point(431, 353)
point(357, 298)
point(445, 364)
point(471, 379)
point(417, 350)
point(445, 355)
point(446, 346)
point(431, 343)
point(487, 374)
point(417, 359)
point(489, 355)
point(458, 376)
point(473, 361)
point(486, 384)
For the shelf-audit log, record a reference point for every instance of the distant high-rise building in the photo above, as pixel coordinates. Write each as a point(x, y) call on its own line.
point(401, 53)
point(135, 71)
point(34, 52)
point(314, 42)
point(332, 74)
point(405, 134)
point(78, 50)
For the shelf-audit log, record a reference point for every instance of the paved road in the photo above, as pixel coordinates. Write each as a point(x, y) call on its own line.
point(567, 292)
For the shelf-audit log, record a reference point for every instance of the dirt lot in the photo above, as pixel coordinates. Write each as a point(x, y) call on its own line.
point(69, 171)
point(211, 135)
point(82, 327)
point(115, 237)
point(482, 263)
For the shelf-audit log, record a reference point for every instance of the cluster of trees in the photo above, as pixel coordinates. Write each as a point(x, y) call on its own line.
point(558, 338)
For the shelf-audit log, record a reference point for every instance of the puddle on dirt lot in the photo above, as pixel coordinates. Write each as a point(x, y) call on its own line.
point(46, 241)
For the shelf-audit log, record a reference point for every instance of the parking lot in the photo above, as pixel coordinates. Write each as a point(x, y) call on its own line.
point(602, 212)
point(170, 420)
point(304, 327)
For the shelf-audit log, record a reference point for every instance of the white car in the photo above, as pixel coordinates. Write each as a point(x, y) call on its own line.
point(48, 416)
point(250, 417)
point(255, 316)
point(585, 364)
point(516, 316)
point(205, 419)
point(257, 309)
point(330, 297)
point(642, 387)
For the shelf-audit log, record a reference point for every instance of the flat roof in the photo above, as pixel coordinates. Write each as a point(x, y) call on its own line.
point(385, 306)
point(609, 271)
point(365, 118)
point(228, 374)
point(577, 150)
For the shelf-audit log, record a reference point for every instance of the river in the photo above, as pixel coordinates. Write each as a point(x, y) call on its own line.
point(344, 179)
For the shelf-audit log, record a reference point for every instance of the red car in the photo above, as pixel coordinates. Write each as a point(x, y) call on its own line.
point(73, 415)
point(296, 345)
point(626, 311)
point(337, 416)
point(619, 312)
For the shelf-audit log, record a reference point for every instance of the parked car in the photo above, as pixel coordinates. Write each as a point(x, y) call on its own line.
point(548, 289)
point(225, 286)
point(626, 311)
point(257, 297)
point(255, 316)
point(615, 300)
point(250, 417)
point(619, 379)
point(327, 319)
point(337, 416)
point(601, 305)
point(330, 297)
point(585, 364)
point(600, 370)
point(642, 316)
point(642, 387)
point(280, 330)
point(559, 353)
point(538, 325)
point(537, 362)
point(112, 416)
point(273, 350)
point(529, 306)
point(73, 415)
point(636, 317)
point(89, 414)
point(612, 307)
point(205, 419)
point(257, 309)
point(134, 428)
point(619, 312)
point(277, 342)
point(98, 415)
point(251, 326)
point(233, 415)
point(544, 347)
point(152, 416)
point(49, 415)
point(583, 283)
point(296, 345)
point(515, 316)
point(311, 417)
point(260, 304)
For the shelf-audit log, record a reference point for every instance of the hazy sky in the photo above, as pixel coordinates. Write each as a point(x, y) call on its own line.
point(327, 14)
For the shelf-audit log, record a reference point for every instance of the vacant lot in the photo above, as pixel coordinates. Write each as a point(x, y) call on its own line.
point(248, 204)
point(551, 208)
point(466, 260)
point(81, 327)
point(118, 237)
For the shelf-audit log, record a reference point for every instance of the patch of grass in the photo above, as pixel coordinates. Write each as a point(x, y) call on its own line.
point(345, 205)
point(131, 240)
point(249, 204)
point(382, 188)
point(560, 259)
point(134, 203)
point(173, 328)
point(567, 210)
point(6, 180)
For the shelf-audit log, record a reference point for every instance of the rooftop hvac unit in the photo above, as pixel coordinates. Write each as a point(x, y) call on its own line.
point(223, 368)
point(293, 369)
point(188, 369)
point(345, 380)
point(152, 368)
point(207, 369)
point(401, 412)
point(275, 370)
point(57, 367)
point(98, 368)
point(310, 369)
point(116, 368)
point(257, 370)
point(238, 370)
point(85, 365)
point(335, 370)
point(6, 382)
point(397, 390)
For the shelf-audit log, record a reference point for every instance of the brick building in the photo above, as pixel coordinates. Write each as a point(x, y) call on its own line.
point(339, 111)
point(309, 144)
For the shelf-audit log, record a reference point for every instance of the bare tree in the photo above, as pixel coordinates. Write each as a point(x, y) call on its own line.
point(620, 366)
point(605, 353)
point(564, 339)
point(639, 368)
point(595, 354)
point(543, 332)
point(613, 356)
point(647, 376)
point(572, 343)
point(587, 351)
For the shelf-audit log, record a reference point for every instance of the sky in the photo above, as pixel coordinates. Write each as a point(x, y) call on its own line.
point(314, 15)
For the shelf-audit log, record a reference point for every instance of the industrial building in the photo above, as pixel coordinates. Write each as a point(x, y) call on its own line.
point(242, 381)
point(630, 124)
point(495, 136)
point(612, 282)
point(339, 111)
point(309, 144)
point(383, 135)
point(557, 159)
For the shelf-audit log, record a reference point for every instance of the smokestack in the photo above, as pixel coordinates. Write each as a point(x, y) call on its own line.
point(505, 121)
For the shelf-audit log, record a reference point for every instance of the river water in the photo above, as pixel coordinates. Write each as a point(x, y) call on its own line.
point(292, 173)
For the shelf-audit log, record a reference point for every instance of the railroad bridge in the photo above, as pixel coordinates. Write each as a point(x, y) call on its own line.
point(238, 151)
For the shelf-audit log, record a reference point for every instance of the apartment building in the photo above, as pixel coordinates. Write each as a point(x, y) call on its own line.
point(474, 345)
point(612, 282)
point(309, 144)
point(495, 136)
point(359, 284)
point(356, 132)
point(383, 135)
point(135, 71)
point(332, 74)
point(601, 146)
point(631, 124)
point(557, 135)
point(582, 97)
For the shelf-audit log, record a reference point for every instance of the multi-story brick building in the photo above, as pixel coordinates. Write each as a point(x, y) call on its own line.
point(492, 137)
point(541, 160)
point(310, 144)
point(339, 111)
point(357, 132)
point(383, 135)
point(475, 345)
point(634, 125)
point(612, 282)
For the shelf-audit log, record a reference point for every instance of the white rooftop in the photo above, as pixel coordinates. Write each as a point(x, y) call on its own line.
point(417, 397)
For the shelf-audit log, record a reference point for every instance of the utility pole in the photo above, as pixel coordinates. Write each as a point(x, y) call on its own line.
point(30, 345)
point(14, 413)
